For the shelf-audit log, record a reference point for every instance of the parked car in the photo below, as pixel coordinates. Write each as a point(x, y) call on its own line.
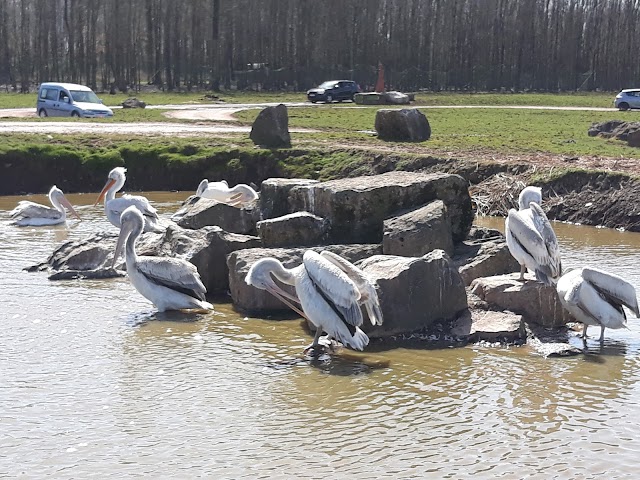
point(337, 90)
point(627, 99)
point(69, 100)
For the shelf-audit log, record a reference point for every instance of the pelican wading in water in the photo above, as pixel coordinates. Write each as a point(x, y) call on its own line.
point(237, 196)
point(31, 214)
point(595, 297)
point(330, 291)
point(114, 207)
point(169, 283)
point(531, 239)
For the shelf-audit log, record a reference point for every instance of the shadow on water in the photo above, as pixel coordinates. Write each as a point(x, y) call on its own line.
point(339, 363)
point(142, 318)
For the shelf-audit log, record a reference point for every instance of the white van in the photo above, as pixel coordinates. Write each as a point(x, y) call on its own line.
point(69, 100)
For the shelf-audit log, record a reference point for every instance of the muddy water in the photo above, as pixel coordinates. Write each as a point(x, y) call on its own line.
point(94, 382)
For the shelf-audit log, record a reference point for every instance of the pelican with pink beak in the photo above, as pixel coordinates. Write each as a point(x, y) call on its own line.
point(31, 214)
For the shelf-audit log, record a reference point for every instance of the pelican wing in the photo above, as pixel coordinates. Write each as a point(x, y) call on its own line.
point(368, 294)
point(141, 204)
point(27, 209)
point(543, 226)
point(335, 286)
point(173, 273)
point(614, 288)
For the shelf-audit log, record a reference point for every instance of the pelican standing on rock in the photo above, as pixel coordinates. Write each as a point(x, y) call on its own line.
point(240, 195)
point(595, 297)
point(35, 215)
point(170, 283)
point(114, 207)
point(531, 239)
point(330, 291)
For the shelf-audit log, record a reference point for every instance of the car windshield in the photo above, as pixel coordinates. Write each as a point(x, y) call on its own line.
point(327, 84)
point(84, 96)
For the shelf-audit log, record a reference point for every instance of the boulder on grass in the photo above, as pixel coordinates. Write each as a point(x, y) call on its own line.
point(271, 128)
point(293, 230)
point(133, 102)
point(357, 207)
point(205, 212)
point(414, 292)
point(418, 232)
point(250, 299)
point(274, 195)
point(396, 98)
point(405, 125)
point(536, 302)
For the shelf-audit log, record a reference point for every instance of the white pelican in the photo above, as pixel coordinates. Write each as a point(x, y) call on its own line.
point(327, 292)
point(240, 195)
point(531, 239)
point(596, 297)
point(114, 207)
point(34, 215)
point(170, 283)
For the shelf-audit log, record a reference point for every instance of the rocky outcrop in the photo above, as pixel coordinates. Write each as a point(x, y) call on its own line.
point(253, 300)
point(536, 302)
point(633, 140)
point(491, 326)
point(405, 125)
point(618, 129)
point(207, 248)
point(484, 254)
point(418, 232)
point(274, 195)
point(133, 102)
point(295, 229)
point(357, 207)
point(414, 292)
point(206, 212)
point(271, 128)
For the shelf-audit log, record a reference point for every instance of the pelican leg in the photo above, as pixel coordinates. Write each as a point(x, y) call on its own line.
point(315, 349)
point(602, 334)
point(584, 330)
point(523, 270)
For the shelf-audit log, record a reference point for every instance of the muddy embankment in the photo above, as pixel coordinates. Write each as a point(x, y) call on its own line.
point(589, 197)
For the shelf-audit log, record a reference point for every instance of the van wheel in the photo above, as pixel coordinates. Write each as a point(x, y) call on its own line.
point(42, 113)
point(329, 99)
point(75, 114)
point(623, 106)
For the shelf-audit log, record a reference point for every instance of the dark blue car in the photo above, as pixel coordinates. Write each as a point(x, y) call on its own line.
point(333, 90)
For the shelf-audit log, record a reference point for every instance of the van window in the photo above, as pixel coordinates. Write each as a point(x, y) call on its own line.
point(49, 94)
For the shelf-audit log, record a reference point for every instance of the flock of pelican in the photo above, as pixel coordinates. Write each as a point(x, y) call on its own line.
point(592, 296)
point(329, 291)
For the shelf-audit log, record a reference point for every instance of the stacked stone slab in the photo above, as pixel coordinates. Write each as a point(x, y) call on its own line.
point(294, 229)
point(205, 212)
point(356, 208)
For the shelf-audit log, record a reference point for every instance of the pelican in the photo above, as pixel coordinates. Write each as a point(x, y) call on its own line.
point(330, 291)
point(35, 215)
point(531, 239)
point(169, 283)
point(240, 195)
point(596, 297)
point(114, 207)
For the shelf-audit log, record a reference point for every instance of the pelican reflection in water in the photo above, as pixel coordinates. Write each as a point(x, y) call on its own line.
point(33, 214)
point(170, 283)
point(330, 291)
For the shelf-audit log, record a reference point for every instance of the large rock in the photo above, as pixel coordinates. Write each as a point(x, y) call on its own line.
point(618, 129)
point(538, 303)
point(293, 230)
point(207, 248)
point(484, 254)
point(133, 102)
point(418, 232)
point(206, 212)
point(271, 128)
point(634, 138)
point(357, 207)
point(396, 98)
point(491, 326)
point(405, 125)
point(253, 300)
point(414, 292)
point(274, 195)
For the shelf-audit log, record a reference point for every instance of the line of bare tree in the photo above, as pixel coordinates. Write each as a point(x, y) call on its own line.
point(545, 45)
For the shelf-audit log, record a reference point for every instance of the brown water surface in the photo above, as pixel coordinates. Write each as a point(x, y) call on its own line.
point(94, 382)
